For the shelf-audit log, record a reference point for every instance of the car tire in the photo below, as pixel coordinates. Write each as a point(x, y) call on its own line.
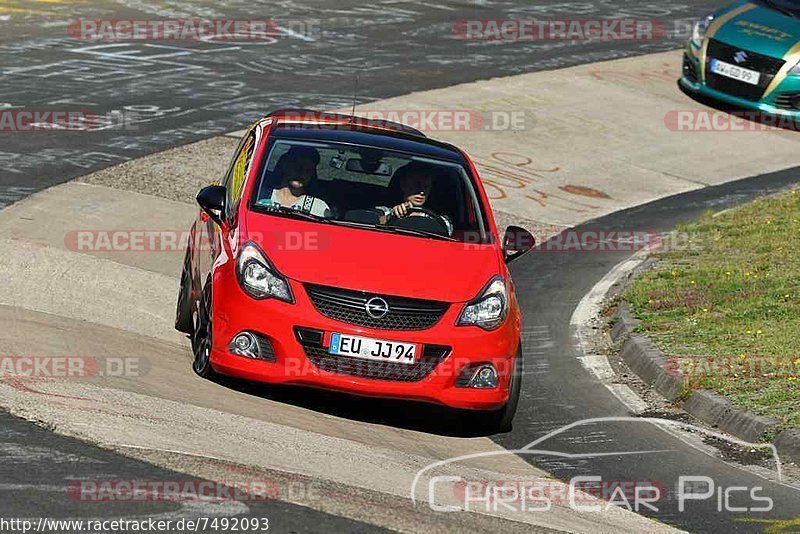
point(183, 309)
point(202, 336)
point(501, 420)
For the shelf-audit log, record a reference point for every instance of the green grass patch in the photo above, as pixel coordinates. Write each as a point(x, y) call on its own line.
point(725, 304)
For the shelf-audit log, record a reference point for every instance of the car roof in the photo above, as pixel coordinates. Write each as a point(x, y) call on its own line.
point(314, 116)
point(309, 125)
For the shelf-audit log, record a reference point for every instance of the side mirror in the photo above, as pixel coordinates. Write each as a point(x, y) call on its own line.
point(516, 242)
point(212, 201)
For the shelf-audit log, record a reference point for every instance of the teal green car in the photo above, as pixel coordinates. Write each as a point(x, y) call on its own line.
point(746, 56)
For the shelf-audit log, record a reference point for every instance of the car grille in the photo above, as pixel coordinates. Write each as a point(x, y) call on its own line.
point(349, 306)
point(311, 341)
point(789, 101)
point(768, 67)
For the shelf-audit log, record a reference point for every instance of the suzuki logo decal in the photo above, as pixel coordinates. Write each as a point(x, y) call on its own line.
point(377, 308)
point(740, 56)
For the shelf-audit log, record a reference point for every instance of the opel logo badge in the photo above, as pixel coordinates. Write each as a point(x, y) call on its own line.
point(377, 308)
point(740, 56)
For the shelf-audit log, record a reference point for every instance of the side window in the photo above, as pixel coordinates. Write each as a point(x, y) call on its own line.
point(234, 181)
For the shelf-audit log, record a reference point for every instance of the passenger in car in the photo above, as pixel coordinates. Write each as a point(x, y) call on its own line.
point(297, 169)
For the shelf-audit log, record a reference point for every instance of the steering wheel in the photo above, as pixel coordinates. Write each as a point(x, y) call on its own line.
point(423, 210)
point(429, 213)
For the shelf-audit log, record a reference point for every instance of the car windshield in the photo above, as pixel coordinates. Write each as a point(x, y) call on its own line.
point(371, 188)
point(790, 7)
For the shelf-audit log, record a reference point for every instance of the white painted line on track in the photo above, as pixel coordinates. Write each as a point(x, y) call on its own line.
point(599, 366)
point(592, 302)
point(586, 312)
point(628, 397)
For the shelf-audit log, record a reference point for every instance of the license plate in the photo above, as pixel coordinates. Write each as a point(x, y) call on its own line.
point(373, 349)
point(735, 72)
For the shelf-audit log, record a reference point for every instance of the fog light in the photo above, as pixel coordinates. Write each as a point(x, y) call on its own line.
point(252, 345)
point(244, 344)
point(484, 377)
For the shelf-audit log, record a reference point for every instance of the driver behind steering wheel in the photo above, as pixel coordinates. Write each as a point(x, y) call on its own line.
point(415, 183)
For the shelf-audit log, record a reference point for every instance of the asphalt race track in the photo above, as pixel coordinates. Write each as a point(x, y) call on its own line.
point(172, 93)
point(39, 466)
point(169, 94)
point(552, 284)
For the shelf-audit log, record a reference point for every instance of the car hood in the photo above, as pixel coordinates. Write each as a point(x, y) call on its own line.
point(761, 29)
point(373, 261)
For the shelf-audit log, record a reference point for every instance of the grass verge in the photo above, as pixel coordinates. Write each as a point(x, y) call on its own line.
point(725, 305)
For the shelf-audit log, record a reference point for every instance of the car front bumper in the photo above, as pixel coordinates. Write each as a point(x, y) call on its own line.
point(778, 102)
point(293, 363)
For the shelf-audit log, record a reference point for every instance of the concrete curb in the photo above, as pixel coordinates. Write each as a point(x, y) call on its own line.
point(624, 322)
point(788, 444)
point(719, 412)
point(652, 366)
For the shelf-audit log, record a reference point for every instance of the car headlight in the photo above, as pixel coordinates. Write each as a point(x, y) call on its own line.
point(258, 278)
point(489, 309)
point(795, 71)
point(701, 28)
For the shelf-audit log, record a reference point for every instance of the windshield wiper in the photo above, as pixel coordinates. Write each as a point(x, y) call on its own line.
point(396, 230)
point(277, 209)
point(291, 212)
point(414, 231)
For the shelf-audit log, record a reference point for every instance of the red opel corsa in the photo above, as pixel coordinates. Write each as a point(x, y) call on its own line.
point(358, 256)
